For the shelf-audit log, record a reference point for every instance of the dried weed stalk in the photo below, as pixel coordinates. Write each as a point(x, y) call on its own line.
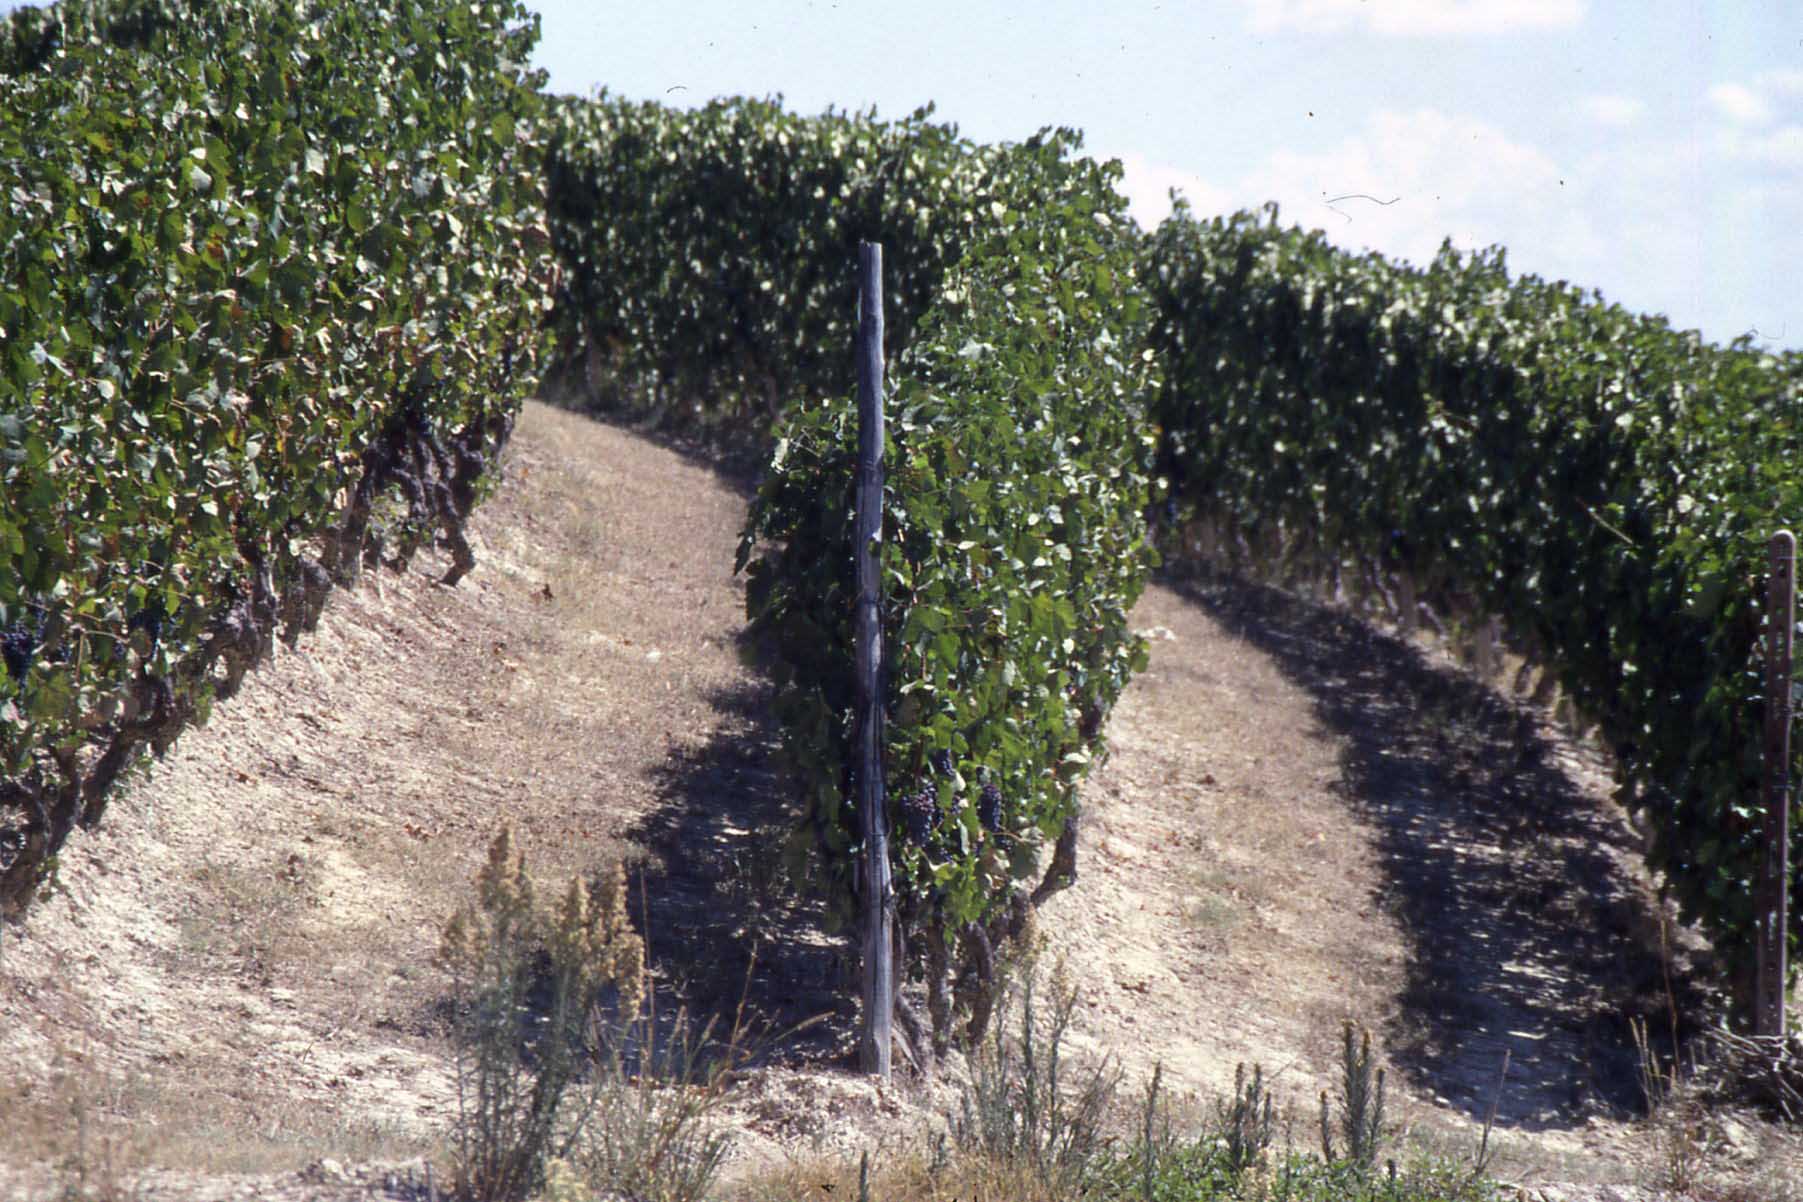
point(1025, 1104)
point(529, 982)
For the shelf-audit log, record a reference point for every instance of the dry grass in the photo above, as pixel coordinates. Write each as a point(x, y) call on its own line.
point(251, 914)
point(97, 1131)
point(1216, 903)
point(907, 1172)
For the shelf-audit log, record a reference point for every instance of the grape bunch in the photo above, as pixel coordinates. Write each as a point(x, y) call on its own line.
point(989, 808)
point(919, 814)
point(942, 762)
point(19, 647)
point(150, 620)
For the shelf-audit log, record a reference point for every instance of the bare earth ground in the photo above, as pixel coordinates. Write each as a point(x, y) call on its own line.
point(1303, 821)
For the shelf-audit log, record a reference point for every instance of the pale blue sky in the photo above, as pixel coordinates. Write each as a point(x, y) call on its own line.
point(1649, 148)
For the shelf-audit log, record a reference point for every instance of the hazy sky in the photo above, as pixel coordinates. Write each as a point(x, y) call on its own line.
point(1652, 149)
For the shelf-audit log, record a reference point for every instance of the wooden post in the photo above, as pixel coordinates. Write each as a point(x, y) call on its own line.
point(879, 898)
point(1772, 900)
point(1408, 601)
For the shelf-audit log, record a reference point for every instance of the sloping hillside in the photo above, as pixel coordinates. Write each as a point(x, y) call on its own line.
point(1302, 821)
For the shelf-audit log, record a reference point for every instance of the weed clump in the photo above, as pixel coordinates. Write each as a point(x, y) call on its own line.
point(1361, 1104)
point(1246, 1122)
point(1025, 1105)
point(1675, 1116)
point(530, 980)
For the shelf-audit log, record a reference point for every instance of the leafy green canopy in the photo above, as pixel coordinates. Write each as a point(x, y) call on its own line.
point(1601, 481)
point(244, 243)
point(709, 256)
point(1013, 548)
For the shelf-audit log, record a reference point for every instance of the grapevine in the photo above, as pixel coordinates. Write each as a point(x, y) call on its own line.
point(1014, 545)
point(704, 252)
point(1600, 481)
point(255, 275)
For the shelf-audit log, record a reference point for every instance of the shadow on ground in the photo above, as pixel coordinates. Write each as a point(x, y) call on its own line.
point(1526, 933)
point(723, 928)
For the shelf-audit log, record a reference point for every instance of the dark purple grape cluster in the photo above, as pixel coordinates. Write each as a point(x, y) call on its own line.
point(919, 814)
point(150, 620)
point(989, 808)
point(942, 762)
point(18, 647)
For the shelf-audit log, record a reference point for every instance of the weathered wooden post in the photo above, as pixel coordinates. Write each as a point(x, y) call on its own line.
point(1772, 898)
point(879, 898)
